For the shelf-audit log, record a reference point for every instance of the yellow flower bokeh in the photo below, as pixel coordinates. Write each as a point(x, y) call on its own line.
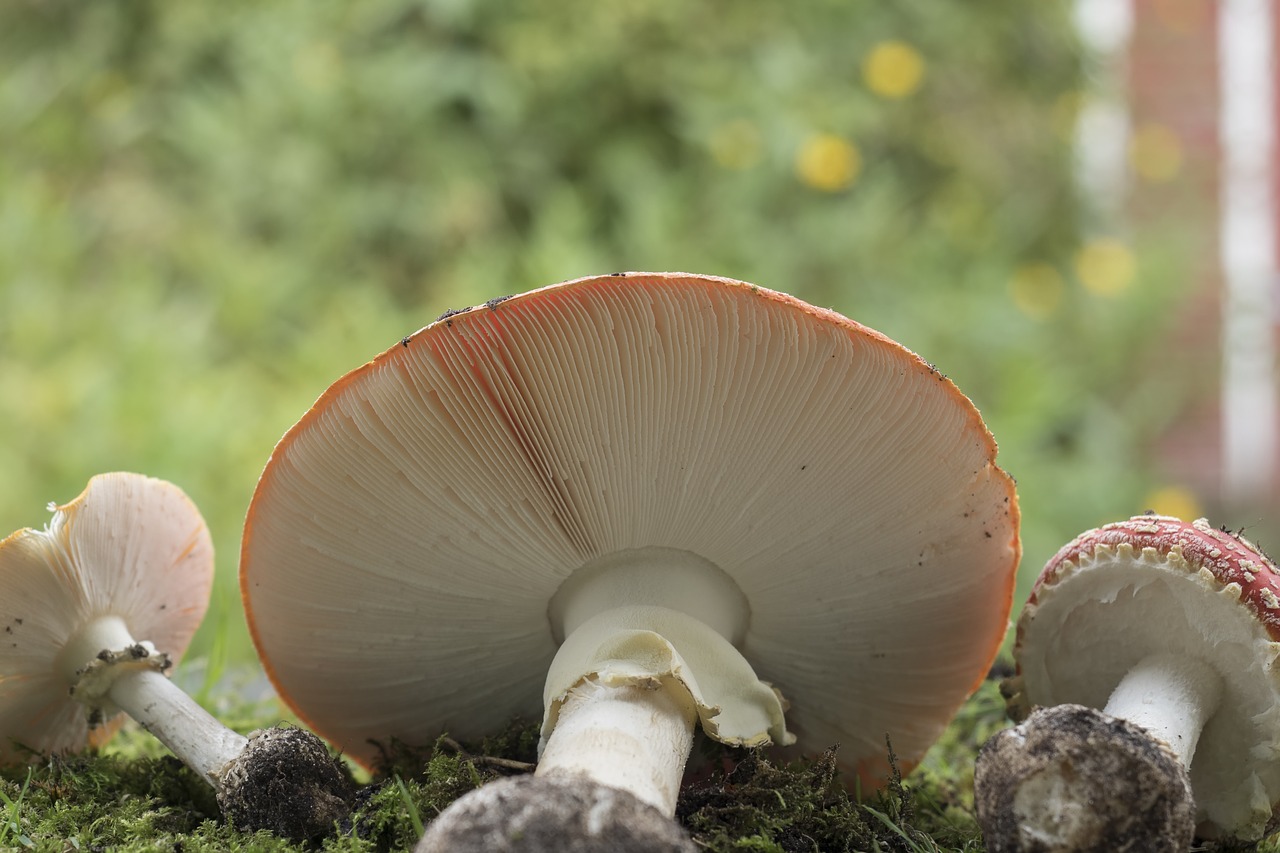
point(1155, 153)
point(1105, 266)
point(1036, 290)
point(1178, 501)
point(828, 162)
point(893, 69)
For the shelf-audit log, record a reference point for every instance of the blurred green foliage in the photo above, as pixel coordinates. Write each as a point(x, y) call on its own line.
point(208, 212)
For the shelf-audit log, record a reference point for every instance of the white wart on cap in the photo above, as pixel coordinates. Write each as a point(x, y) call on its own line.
point(633, 482)
point(1168, 625)
point(93, 612)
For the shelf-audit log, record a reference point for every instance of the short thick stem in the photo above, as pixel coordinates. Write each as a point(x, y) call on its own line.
point(179, 722)
point(1172, 697)
point(648, 651)
point(631, 737)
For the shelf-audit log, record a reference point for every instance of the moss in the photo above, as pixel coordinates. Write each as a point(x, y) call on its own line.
point(132, 796)
point(804, 807)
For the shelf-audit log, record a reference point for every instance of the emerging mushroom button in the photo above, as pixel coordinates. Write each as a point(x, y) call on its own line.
point(1171, 629)
point(635, 498)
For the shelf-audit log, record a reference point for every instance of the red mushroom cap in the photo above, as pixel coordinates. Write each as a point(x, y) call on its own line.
point(1231, 559)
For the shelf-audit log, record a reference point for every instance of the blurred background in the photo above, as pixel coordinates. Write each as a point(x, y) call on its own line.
point(209, 212)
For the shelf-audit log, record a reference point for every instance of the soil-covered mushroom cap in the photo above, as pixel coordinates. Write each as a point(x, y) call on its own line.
point(1183, 610)
point(1028, 781)
point(570, 814)
point(409, 534)
point(129, 546)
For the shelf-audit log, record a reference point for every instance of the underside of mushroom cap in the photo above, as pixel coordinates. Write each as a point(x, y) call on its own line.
point(1159, 585)
point(408, 533)
point(129, 546)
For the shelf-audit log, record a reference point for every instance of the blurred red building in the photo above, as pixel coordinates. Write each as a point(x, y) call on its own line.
point(1178, 138)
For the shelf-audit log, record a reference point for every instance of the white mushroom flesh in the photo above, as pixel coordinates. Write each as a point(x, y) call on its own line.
point(632, 736)
point(1170, 696)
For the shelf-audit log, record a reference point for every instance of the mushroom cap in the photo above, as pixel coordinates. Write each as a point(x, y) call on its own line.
point(129, 546)
point(1156, 584)
point(408, 533)
point(569, 813)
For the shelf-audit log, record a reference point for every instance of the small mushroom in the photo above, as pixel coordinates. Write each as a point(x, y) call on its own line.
point(632, 505)
point(1158, 638)
point(95, 610)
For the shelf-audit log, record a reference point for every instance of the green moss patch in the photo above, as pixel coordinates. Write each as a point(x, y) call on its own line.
point(132, 796)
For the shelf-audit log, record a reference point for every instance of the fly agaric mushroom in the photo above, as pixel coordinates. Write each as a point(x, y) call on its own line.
point(1171, 630)
point(95, 609)
point(631, 504)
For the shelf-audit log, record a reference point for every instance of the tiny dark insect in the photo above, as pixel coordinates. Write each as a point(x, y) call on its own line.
point(616, 274)
point(449, 313)
point(404, 342)
point(496, 301)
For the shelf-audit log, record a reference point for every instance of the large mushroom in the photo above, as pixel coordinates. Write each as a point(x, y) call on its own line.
point(95, 610)
point(632, 504)
point(1150, 647)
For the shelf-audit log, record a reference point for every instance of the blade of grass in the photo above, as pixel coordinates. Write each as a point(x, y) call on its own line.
point(410, 805)
point(13, 808)
point(215, 662)
point(899, 831)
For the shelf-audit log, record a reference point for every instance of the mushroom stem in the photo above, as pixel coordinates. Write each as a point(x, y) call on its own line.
point(280, 779)
point(1170, 696)
point(179, 722)
point(648, 653)
point(632, 737)
point(107, 666)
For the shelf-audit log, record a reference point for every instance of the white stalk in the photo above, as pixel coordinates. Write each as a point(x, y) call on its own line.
point(648, 651)
point(630, 737)
point(1170, 696)
point(178, 721)
point(137, 688)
